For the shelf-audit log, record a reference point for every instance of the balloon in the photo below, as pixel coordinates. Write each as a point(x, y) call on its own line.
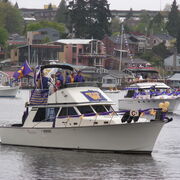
point(165, 109)
point(161, 105)
point(153, 112)
point(166, 104)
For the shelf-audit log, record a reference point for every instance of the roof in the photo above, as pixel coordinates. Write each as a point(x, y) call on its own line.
point(164, 36)
point(147, 85)
point(175, 77)
point(135, 61)
point(89, 95)
point(75, 41)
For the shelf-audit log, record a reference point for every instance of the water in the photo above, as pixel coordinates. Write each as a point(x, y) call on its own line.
point(27, 163)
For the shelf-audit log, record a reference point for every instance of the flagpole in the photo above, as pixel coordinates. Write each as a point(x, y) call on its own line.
point(121, 43)
point(29, 54)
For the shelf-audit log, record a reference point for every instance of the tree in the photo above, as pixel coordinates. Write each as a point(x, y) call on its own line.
point(3, 36)
point(161, 50)
point(44, 24)
point(50, 7)
point(167, 7)
point(115, 25)
point(90, 18)
point(11, 18)
point(142, 25)
point(157, 24)
point(178, 42)
point(78, 16)
point(61, 15)
point(173, 24)
point(129, 14)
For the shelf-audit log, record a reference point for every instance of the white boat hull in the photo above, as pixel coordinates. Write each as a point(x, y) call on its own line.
point(7, 91)
point(133, 137)
point(136, 104)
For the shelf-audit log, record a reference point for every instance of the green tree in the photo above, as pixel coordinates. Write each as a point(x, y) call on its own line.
point(173, 24)
point(90, 18)
point(142, 25)
point(178, 42)
point(61, 15)
point(157, 24)
point(11, 18)
point(129, 14)
point(161, 50)
point(45, 24)
point(3, 36)
point(78, 13)
point(115, 25)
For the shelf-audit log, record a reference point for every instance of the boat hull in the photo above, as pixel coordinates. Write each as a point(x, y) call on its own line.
point(8, 91)
point(136, 104)
point(129, 138)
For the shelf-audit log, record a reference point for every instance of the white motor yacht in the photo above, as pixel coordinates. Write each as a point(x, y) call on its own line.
point(80, 116)
point(145, 95)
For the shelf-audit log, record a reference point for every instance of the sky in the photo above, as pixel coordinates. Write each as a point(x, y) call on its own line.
point(114, 4)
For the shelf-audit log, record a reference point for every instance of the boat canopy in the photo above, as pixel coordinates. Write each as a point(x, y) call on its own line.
point(67, 67)
point(148, 85)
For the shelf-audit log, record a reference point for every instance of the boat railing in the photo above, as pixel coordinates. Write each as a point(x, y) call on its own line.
point(80, 84)
point(126, 116)
point(146, 80)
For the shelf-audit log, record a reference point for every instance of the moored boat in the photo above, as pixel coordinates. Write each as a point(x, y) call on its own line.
point(80, 116)
point(148, 95)
point(8, 91)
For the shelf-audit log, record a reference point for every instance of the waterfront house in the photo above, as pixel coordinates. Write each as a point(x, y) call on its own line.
point(157, 39)
point(82, 52)
point(174, 80)
point(172, 63)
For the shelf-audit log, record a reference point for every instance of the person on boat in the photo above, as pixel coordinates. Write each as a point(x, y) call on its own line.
point(152, 91)
point(79, 77)
point(52, 87)
point(57, 85)
point(70, 78)
point(60, 77)
point(43, 82)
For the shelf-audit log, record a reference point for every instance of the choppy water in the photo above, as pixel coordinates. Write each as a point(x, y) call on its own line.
point(25, 163)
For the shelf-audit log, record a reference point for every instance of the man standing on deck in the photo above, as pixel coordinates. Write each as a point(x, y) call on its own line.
point(79, 77)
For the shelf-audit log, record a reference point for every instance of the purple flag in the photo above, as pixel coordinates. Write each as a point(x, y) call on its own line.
point(23, 71)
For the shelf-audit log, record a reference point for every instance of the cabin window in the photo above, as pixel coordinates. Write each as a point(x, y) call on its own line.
point(99, 109)
point(67, 111)
point(45, 114)
point(51, 113)
point(130, 94)
point(85, 109)
point(109, 108)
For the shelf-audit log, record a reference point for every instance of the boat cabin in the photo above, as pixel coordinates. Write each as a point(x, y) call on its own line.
point(74, 104)
point(147, 88)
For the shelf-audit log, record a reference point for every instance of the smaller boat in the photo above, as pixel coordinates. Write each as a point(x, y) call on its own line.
point(7, 88)
point(8, 91)
point(144, 95)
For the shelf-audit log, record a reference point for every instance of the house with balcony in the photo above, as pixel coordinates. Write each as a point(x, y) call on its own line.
point(82, 52)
